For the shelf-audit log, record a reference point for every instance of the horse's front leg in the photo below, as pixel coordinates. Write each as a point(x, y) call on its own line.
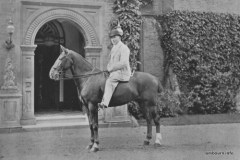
point(92, 133)
point(93, 111)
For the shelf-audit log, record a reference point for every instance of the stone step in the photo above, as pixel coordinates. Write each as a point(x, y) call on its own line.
point(70, 119)
point(58, 120)
point(61, 119)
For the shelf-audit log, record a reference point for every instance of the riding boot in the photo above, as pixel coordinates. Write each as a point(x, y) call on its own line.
point(102, 106)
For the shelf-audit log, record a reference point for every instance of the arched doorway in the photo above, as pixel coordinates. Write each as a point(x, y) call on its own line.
point(53, 96)
point(78, 21)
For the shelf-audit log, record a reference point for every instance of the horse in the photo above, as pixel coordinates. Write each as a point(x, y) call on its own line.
point(142, 88)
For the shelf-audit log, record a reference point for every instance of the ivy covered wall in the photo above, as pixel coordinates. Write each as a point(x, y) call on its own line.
point(203, 48)
point(217, 6)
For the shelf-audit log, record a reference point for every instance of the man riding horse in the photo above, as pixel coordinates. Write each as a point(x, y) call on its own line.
point(118, 66)
point(142, 87)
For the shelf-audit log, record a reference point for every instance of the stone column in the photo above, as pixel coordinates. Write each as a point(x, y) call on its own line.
point(116, 114)
point(92, 54)
point(167, 6)
point(157, 6)
point(28, 117)
point(237, 101)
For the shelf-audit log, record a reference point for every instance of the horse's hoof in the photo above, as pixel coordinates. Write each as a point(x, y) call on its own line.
point(94, 149)
point(157, 145)
point(146, 143)
point(89, 147)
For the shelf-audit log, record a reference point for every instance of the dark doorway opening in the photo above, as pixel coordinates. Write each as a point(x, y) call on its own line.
point(46, 90)
point(54, 96)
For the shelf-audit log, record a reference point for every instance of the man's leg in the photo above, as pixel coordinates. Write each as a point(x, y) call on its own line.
point(111, 84)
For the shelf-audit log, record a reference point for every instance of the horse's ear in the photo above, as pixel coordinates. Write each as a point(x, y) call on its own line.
point(63, 48)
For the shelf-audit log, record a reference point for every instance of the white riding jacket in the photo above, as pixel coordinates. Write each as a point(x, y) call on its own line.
point(119, 66)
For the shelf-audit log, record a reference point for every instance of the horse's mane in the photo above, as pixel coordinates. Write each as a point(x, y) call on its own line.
point(80, 59)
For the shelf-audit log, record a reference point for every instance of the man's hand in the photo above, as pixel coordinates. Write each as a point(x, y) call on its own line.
point(106, 71)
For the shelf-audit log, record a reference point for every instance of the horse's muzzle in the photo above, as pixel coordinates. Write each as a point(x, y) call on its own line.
point(54, 74)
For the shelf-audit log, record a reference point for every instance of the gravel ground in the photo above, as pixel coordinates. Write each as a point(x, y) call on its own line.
point(189, 142)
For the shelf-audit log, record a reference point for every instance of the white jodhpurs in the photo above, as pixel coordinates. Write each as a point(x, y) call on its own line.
point(111, 84)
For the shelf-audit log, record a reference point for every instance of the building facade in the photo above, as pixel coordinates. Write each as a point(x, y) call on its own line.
point(40, 27)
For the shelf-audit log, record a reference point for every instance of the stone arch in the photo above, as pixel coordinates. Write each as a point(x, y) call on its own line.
point(37, 21)
point(34, 23)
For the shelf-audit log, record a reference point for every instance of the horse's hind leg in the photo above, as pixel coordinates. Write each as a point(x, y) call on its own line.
point(156, 119)
point(148, 117)
point(149, 132)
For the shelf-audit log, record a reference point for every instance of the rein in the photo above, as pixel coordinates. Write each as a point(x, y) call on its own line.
point(80, 75)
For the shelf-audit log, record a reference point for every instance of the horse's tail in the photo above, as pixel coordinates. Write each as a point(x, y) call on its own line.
point(172, 106)
point(158, 99)
point(160, 87)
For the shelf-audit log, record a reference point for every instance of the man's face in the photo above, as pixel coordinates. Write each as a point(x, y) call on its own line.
point(115, 39)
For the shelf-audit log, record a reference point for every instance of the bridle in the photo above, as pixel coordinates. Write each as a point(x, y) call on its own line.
point(64, 76)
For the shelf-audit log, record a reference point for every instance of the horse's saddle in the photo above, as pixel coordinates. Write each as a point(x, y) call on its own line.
point(107, 74)
point(125, 85)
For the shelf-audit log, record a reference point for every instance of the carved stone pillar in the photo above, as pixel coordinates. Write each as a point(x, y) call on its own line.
point(116, 114)
point(10, 109)
point(28, 117)
point(10, 98)
point(92, 54)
